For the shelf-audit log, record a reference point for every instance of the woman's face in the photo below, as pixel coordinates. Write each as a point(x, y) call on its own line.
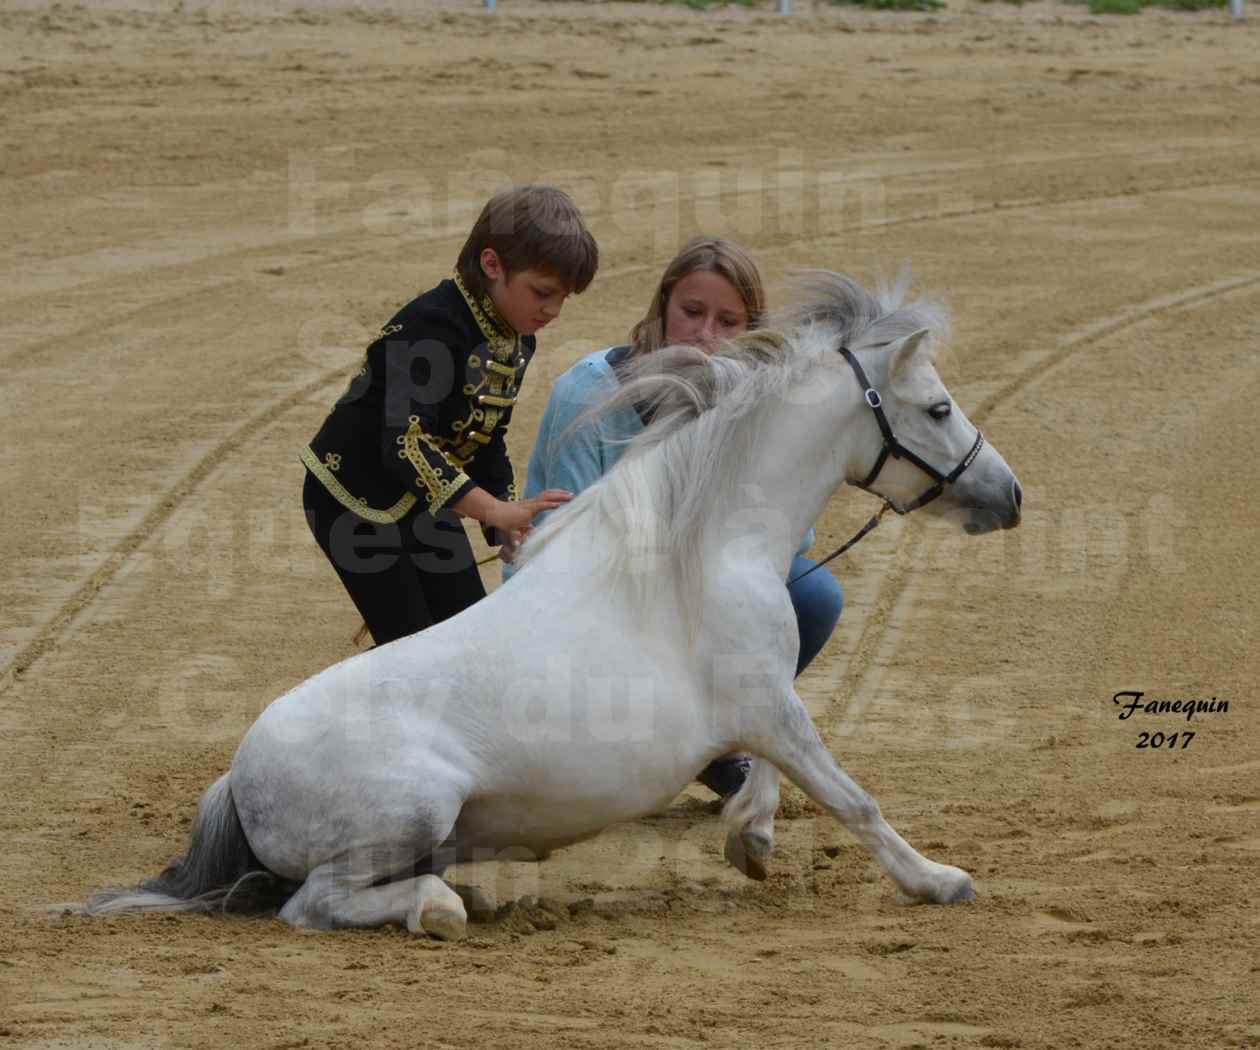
point(703, 309)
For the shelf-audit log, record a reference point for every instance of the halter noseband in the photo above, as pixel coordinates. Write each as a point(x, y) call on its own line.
point(893, 447)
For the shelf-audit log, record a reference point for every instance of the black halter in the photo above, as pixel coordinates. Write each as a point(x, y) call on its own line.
point(893, 447)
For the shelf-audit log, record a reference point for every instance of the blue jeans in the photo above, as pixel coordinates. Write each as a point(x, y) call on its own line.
point(817, 600)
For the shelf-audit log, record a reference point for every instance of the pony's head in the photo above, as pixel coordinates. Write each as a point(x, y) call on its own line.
point(918, 448)
point(718, 418)
point(931, 455)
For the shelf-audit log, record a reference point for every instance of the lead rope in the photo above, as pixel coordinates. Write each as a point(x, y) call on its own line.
point(835, 554)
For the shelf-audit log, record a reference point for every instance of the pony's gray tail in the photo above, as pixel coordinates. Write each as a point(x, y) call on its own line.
point(219, 873)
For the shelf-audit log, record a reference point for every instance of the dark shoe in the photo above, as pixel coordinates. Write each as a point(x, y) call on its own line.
point(726, 775)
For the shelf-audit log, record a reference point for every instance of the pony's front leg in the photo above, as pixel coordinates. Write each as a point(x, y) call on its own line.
point(790, 740)
point(332, 899)
point(749, 818)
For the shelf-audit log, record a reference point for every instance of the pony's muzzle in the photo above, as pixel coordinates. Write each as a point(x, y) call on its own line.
point(997, 513)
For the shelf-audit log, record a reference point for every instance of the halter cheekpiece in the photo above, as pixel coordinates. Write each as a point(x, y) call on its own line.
point(893, 447)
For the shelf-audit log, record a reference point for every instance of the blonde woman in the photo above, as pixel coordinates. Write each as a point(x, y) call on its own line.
point(711, 291)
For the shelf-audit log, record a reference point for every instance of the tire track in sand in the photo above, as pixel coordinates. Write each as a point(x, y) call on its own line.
point(455, 231)
point(891, 589)
point(49, 634)
point(894, 588)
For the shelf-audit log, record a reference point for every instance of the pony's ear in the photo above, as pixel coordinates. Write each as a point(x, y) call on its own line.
point(909, 358)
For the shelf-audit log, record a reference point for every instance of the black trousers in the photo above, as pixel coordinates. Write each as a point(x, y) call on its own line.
point(402, 577)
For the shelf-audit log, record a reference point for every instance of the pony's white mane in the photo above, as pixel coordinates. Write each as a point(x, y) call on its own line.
point(704, 410)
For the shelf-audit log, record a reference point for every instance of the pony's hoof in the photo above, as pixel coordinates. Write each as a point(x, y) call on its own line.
point(749, 853)
point(437, 911)
point(961, 893)
point(438, 920)
point(954, 887)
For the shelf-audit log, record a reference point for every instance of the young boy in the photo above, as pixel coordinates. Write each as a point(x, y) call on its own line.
point(418, 438)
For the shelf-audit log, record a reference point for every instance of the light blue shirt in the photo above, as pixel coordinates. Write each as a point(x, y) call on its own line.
point(566, 457)
point(574, 458)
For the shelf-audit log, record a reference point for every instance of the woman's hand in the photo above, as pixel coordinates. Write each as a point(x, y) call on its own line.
point(512, 545)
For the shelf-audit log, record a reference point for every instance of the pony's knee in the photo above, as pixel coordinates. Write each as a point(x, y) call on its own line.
point(753, 806)
point(749, 819)
point(320, 899)
point(864, 812)
point(308, 908)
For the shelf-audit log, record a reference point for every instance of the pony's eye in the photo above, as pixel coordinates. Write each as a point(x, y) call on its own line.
point(939, 410)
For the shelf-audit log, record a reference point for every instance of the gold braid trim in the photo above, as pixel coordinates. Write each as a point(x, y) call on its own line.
point(500, 374)
point(496, 330)
point(437, 488)
point(343, 496)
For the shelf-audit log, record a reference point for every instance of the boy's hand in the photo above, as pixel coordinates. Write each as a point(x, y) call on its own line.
point(505, 518)
point(514, 518)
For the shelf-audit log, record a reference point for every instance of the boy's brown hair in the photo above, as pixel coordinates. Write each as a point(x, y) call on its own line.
point(531, 227)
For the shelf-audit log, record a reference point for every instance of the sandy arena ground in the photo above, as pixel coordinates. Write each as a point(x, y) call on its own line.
point(206, 211)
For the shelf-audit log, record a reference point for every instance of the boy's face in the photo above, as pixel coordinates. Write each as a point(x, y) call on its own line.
point(527, 300)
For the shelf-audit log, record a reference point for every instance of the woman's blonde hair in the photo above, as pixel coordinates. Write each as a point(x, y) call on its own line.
point(703, 253)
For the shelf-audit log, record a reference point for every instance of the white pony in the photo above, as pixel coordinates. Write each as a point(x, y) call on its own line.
point(647, 632)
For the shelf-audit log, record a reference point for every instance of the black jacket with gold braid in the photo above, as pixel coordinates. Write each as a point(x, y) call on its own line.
point(423, 421)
